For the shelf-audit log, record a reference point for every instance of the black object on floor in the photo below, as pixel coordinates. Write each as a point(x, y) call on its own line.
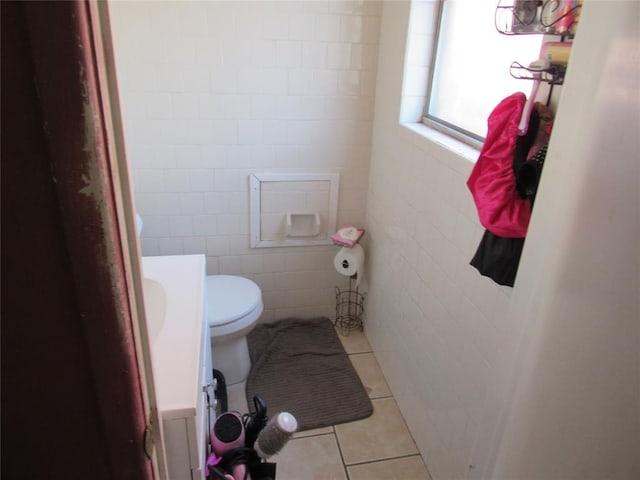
point(221, 391)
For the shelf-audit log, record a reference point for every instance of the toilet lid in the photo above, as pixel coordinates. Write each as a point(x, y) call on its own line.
point(230, 298)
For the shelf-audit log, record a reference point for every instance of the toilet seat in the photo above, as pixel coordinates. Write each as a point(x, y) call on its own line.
point(230, 298)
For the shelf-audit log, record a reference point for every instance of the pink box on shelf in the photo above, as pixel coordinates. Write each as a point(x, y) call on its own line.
point(347, 235)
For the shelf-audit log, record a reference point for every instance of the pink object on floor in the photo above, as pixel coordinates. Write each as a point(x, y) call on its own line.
point(212, 461)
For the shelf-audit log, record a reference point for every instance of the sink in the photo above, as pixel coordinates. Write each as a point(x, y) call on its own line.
point(155, 304)
point(180, 345)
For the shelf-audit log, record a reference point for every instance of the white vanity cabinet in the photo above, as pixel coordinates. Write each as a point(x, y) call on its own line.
point(181, 353)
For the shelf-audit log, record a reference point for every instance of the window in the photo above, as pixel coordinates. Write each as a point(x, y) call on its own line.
point(470, 73)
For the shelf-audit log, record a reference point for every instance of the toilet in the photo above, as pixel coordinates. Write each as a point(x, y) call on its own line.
point(234, 305)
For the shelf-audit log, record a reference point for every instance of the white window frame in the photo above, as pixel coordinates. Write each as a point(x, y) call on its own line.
point(439, 124)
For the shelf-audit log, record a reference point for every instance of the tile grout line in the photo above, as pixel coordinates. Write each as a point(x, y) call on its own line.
point(380, 460)
point(344, 465)
point(319, 434)
point(381, 397)
point(361, 353)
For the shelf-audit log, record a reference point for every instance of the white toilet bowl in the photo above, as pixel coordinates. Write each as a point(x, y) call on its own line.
point(234, 305)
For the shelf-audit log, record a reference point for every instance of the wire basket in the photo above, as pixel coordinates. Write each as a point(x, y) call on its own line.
point(349, 310)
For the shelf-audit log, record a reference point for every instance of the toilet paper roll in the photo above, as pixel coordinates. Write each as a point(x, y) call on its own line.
point(349, 261)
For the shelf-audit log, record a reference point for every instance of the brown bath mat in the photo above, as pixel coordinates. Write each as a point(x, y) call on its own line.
point(299, 366)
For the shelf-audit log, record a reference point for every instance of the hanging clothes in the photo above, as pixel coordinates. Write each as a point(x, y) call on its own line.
point(492, 184)
point(531, 152)
point(498, 256)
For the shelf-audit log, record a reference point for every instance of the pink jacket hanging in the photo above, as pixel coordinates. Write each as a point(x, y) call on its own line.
point(492, 181)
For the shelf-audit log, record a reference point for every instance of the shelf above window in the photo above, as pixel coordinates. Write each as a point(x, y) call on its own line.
point(536, 17)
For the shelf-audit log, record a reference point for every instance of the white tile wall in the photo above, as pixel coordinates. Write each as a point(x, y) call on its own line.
point(436, 326)
point(212, 91)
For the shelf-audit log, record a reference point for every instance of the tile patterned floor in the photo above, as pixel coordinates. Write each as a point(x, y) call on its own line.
point(351, 451)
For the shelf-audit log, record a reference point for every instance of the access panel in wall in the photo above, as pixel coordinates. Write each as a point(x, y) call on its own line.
point(293, 209)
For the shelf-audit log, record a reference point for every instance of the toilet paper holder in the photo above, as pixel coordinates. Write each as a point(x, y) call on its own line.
point(349, 309)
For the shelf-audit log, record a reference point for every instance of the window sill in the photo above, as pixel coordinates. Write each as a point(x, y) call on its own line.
point(465, 155)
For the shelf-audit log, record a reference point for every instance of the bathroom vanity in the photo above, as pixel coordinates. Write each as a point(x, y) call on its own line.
point(174, 291)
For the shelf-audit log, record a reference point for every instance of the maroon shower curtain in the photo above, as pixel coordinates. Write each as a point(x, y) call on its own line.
point(72, 398)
